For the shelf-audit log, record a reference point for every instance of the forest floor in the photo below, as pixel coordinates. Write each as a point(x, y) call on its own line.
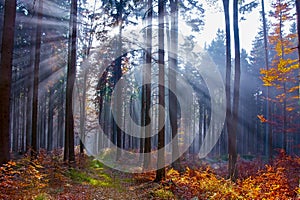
point(47, 178)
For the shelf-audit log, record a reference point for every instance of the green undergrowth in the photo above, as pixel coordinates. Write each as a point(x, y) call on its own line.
point(162, 193)
point(42, 196)
point(94, 173)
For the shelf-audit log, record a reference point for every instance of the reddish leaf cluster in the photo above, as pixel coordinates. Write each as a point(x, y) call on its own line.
point(279, 180)
point(28, 178)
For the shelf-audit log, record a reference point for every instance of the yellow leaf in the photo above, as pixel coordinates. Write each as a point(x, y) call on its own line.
point(262, 118)
point(289, 109)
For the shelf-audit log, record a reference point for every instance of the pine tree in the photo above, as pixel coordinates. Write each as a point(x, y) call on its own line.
point(216, 50)
point(282, 75)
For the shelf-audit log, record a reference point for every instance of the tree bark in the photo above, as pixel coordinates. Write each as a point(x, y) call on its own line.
point(60, 112)
point(160, 172)
point(69, 153)
point(173, 109)
point(30, 94)
point(50, 120)
point(269, 135)
point(231, 140)
point(35, 104)
point(6, 76)
point(118, 74)
point(298, 24)
point(147, 87)
point(298, 33)
point(233, 173)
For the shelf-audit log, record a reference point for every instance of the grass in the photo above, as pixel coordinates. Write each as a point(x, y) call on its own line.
point(102, 180)
point(94, 175)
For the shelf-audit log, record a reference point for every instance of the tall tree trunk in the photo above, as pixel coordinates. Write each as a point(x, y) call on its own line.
point(298, 34)
point(118, 74)
point(41, 136)
point(200, 125)
point(147, 87)
point(173, 110)
point(23, 129)
point(50, 120)
point(69, 153)
point(14, 124)
point(142, 140)
point(284, 123)
point(160, 172)
point(6, 76)
point(35, 104)
point(40, 127)
point(269, 134)
point(82, 110)
point(227, 86)
point(236, 95)
point(29, 86)
point(60, 112)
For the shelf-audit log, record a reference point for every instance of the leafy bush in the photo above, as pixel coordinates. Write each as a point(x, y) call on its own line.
point(277, 181)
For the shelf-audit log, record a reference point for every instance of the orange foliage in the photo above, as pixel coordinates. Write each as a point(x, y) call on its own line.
point(277, 181)
point(282, 75)
point(262, 118)
point(26, 178)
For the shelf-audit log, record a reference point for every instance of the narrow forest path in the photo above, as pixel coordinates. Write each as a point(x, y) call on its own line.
point(48, 178)
point(126, 191)
point(118, 185)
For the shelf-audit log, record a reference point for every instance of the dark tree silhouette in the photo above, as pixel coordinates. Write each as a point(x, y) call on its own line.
point(232, 131)
point(37, 58)
point(69, 153)
point(5, 76)
point(147, 88)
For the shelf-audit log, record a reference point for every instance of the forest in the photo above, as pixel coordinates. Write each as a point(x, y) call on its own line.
point(126, 99)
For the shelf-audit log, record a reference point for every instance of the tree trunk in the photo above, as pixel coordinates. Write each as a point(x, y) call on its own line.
point(14, 104)
point(269, 135)
point(69, 153)
point(118, 72)
point(50, 120)
point(298, 24)
point(234, 118)
point(147, 79)
point(227, 86)
point(60, 118)
point(284, 123)
point(30, 94)
point(173, 110)
point(35, 104)
point(5, 76)
point(298, 33)
point(160, 172)
point(82, 111)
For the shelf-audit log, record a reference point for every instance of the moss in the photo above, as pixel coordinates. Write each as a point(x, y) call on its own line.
point(163, 194)
point(42, 196)
point(78, 176)
point(96, 164)
point(95, 174)
point(127, 180)
point(100, 179)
